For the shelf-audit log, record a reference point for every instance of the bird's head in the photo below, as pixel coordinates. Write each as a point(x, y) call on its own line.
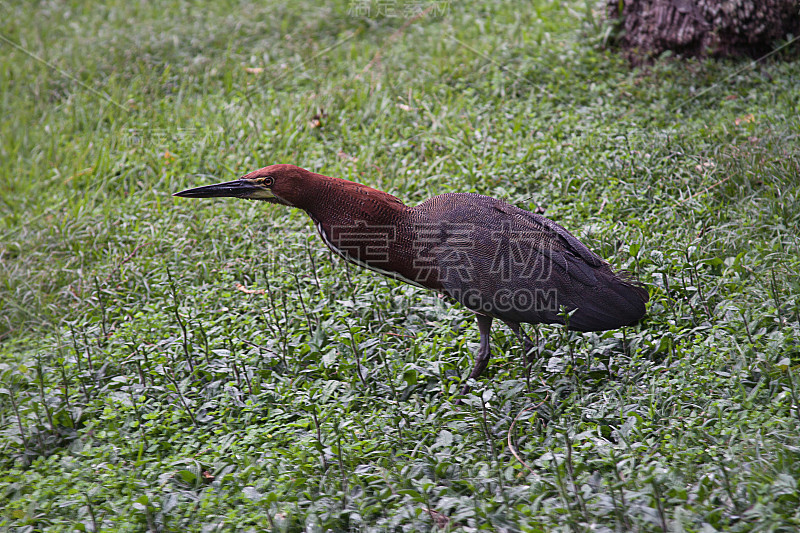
point(277, 184)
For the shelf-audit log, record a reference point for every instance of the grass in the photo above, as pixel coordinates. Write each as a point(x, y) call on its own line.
point(183, 365)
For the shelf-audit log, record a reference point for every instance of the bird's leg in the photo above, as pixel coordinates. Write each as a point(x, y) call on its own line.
point(484, 351)
point(530, 346)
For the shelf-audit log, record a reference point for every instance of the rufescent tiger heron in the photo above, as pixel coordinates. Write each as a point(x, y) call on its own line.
point(496, 259)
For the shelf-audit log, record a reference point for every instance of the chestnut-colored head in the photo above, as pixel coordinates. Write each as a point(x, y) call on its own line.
point(277, 184)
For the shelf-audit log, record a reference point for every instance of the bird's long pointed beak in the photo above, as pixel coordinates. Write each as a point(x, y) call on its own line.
point(234, 189)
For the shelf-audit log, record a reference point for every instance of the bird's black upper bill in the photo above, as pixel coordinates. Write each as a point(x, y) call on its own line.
point(235, 189)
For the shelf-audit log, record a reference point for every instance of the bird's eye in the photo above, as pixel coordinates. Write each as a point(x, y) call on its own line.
point(268, 181)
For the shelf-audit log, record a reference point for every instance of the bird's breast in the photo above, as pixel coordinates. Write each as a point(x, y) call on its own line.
point(382, 248)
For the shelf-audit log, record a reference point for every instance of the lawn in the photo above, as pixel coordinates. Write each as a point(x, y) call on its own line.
point(180, 365)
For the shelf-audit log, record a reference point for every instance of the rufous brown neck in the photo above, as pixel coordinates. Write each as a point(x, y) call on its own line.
point(336, 201)
point(366, 226)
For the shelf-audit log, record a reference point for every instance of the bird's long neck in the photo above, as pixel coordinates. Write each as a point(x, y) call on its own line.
point(335, 201)
point(366, 226)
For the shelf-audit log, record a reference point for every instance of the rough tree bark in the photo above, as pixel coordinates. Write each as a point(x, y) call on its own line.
point(699, 28)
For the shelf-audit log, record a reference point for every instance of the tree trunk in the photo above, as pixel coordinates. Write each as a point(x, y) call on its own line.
point(699, 28)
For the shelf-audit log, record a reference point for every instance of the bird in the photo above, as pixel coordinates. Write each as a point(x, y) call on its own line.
point(497, 260)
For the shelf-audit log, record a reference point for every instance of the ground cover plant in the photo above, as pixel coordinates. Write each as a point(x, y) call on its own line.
point(209, 366)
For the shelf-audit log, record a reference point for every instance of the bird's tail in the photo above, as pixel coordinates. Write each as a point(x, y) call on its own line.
point(618, 301)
